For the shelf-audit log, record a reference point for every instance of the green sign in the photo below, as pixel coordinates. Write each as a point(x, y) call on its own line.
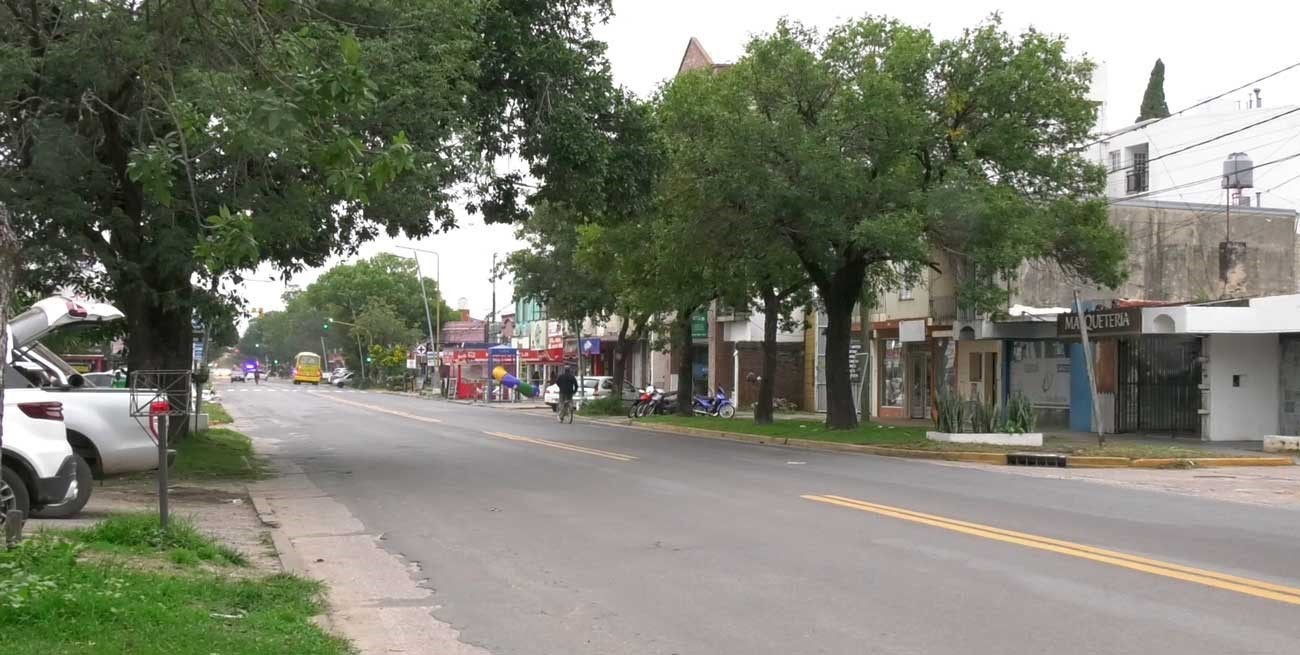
point(700, 325)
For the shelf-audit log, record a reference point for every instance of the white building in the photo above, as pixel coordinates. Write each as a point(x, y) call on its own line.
point(1180, 158)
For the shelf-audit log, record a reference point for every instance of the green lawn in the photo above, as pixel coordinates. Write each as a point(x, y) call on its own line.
point(121, 588)
point(218, 453)
point(891, 436)
point(217, 414)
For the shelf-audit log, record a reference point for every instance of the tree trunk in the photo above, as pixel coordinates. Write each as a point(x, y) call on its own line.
point(685, 364)
point(621, 348)
point(159, 338)
point(8, 274)
point(840, 294)
point(763, 411)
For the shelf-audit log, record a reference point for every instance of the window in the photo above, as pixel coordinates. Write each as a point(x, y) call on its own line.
point(891, 373)
point(1116, 161)
point(607, 385)
point(1136, 180)
point(976, 367)
point(905, 293)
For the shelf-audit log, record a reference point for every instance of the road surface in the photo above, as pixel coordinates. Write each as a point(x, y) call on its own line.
point(539, 538)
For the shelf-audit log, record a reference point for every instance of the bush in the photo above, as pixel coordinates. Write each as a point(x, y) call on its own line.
point(608, 406)
point(1021, 417)
point(983, 416)
point(951, 417)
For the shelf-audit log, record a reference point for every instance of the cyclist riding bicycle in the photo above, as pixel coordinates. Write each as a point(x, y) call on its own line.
point(568, 385)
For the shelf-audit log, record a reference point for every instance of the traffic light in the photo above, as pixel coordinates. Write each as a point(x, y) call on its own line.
point(369, 359)
point(325, 326)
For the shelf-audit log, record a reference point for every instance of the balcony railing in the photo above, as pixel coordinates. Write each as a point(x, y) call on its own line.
point(1135, 181)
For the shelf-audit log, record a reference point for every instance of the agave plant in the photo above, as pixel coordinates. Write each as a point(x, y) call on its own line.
point(983, 416)
point(952, 413)
point(1021, 417)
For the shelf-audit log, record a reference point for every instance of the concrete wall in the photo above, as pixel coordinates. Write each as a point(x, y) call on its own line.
point(1249, 409)
point(1174, 255)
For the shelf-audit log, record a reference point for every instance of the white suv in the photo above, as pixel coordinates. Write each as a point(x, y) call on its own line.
point(38, 466)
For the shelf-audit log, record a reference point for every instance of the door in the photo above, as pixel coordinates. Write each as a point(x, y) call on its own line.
point(1159, 385)
point(918, 376)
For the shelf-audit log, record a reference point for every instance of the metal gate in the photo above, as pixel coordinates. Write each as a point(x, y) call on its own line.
point(1158, 385)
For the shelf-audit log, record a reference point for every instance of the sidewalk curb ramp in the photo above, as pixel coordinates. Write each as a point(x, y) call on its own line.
point(1071, 461)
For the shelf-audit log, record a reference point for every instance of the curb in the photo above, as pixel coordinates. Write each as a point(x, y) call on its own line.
point(948, 456)
point(808, 444)
point(290, 561)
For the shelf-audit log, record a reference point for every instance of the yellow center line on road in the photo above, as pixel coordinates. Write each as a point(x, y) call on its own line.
point(620, 457)
point(378, 408)
point(1248, 586)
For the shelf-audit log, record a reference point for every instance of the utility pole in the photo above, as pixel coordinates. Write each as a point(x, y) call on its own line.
point(493, 277)
point(1087, 360)
point(433, 335)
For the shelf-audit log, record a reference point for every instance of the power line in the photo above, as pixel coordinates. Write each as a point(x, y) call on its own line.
point(1211, 139)
point(1201, 103)
point(1203, 180)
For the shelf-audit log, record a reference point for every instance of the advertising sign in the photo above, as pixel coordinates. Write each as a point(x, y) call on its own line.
point(1099, 323)
point(590, 346)
point(1041, 371)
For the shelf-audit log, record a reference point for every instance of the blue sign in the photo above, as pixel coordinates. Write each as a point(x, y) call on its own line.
point(198, 351)
point(591, 346)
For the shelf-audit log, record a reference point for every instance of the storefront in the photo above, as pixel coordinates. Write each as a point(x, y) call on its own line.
point(916, 363)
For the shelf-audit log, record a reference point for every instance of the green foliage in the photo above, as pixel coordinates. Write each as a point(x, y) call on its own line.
point(218, 454)
point(143, 533)
point(611, 405)
point(1021, 417)
point(876, 147)
point(217, 414)
point(152, 148)
point(1153, 99)
point(951, 416)
point(983, 416)
point(60, 596)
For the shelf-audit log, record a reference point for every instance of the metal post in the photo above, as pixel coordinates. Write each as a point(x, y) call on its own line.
point(324, 355)
point(162, 469)
point(361, 360)
point(1087, 361)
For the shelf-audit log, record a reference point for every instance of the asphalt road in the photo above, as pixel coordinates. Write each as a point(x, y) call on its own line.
point(540, 538)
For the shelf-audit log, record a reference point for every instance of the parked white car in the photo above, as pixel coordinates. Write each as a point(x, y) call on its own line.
point(37, 466)
point(597, 386)
point(105, 437)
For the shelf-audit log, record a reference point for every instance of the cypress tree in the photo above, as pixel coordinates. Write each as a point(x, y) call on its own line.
point(1153, 101)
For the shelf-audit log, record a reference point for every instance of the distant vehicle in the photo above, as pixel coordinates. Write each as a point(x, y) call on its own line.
point(343, 380)
point(593, 387)
point(237, 375)
point(306, 368)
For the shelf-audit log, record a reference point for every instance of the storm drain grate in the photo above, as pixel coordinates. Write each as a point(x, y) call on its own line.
point(1036, 459)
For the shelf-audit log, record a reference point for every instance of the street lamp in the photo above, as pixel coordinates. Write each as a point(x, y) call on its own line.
point(360, 353)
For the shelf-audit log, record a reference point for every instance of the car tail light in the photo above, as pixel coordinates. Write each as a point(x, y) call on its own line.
point(49, 411)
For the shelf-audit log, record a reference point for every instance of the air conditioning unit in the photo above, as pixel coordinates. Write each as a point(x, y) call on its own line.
point(729, 313)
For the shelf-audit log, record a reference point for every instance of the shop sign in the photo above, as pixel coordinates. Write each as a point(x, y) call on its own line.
point(591, 346)
point(1101, 323)
point(554, 329)
point(699, 325)
point(855, 361)
point(911, 331)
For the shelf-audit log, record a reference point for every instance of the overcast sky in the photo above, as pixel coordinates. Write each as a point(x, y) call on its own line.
point(1207, 49)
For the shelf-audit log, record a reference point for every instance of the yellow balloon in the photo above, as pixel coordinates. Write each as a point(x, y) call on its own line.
point(499, 372)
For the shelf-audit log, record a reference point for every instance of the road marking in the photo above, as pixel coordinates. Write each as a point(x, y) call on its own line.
point(564, 446)
point(1227, 582)
point(377, 408)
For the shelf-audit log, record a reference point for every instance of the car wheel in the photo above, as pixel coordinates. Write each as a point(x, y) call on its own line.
point(85, 485)
point(13, 492)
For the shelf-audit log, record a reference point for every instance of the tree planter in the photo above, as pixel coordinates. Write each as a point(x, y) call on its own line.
point(994, 438)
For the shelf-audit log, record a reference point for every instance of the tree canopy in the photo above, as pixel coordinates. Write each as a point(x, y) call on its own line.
point(876, 148)
point(149, 148)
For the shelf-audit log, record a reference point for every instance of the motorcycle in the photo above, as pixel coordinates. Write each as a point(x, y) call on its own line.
point(651, 406)
point(643, 401)
point(718, 405)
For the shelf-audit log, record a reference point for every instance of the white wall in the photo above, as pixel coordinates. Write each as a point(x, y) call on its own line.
point(1262, 144)
point(1249, 411)
point(750, 328)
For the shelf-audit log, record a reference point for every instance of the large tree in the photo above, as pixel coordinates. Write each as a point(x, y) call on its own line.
point(148, 149)
point(876, 148)
point(1153, 99)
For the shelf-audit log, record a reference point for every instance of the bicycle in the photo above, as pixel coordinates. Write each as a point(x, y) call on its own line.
point(566, 410)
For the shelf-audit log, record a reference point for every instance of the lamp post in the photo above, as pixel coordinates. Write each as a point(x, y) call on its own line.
point(360, 353)
point(435, 329)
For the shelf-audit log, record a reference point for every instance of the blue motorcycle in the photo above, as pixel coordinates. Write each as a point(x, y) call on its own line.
point(717, 405)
